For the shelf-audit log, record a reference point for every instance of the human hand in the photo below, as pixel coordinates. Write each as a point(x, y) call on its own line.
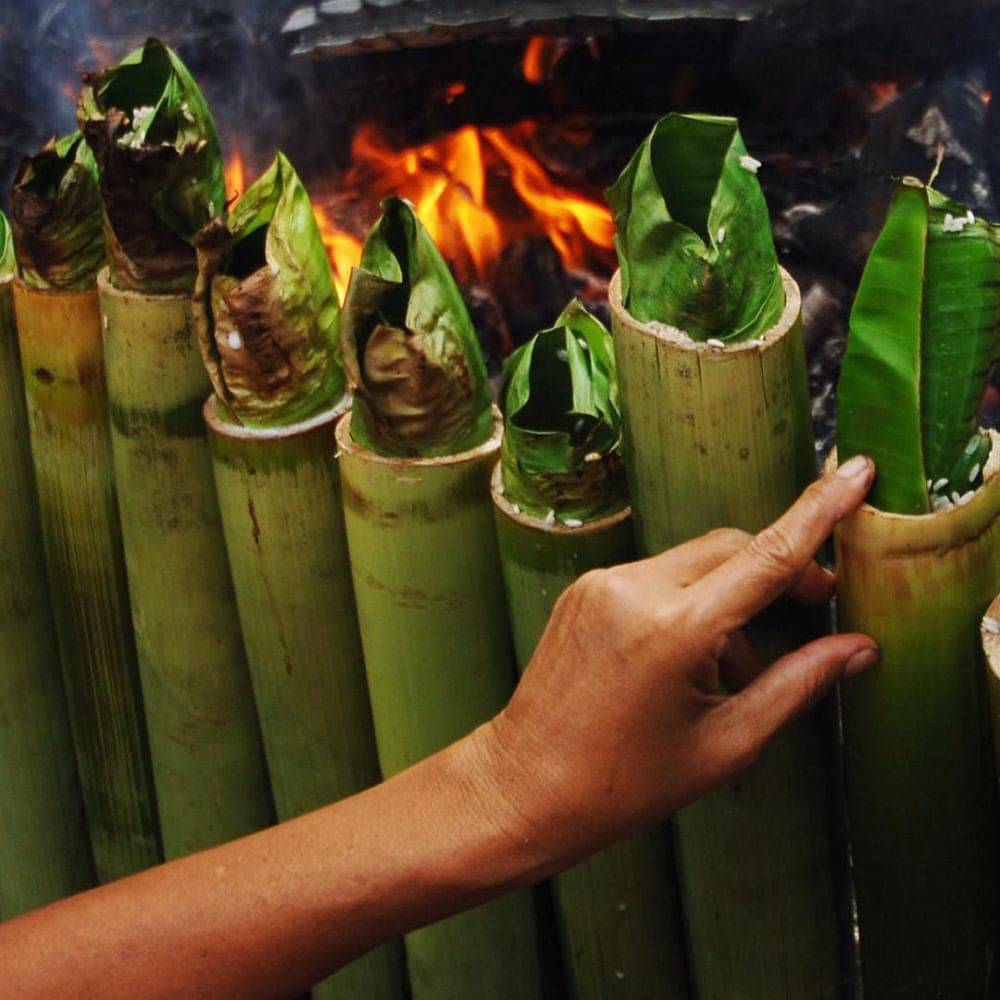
point(643, 693)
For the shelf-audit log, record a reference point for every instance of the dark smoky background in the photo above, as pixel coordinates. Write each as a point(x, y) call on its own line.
point(834, 96)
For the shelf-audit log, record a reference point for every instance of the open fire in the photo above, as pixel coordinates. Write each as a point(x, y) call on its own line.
point(476, 189)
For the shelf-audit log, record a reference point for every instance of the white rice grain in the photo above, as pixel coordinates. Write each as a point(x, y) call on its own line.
point(747, 162)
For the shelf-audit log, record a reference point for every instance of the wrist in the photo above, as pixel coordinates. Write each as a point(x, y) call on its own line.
point(522, 786)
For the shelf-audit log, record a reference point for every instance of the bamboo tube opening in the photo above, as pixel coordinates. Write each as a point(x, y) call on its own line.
point(539, 524)
point(347, 445)
point(106, 286)
point(700, 349)
point(225, 424)
point(885, 534)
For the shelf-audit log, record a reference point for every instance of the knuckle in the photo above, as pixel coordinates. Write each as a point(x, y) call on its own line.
point(728, 537)
point(733, 536)
point(774, 549)
point(600, 589)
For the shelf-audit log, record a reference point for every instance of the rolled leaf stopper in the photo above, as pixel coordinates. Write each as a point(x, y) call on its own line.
point(693, 233)
point(160, 166)
point(561, 451)
point(924, 331)
point(265, 306)
point(411, 353)
point(7, 262)
point(55, 207)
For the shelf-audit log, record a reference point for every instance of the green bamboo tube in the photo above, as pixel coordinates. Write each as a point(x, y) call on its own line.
point(918, 769)
point(618, 911)
point(60, 339)
point(439, 660)
point(44, 847)
point(280, 498)
point(211, 779)
point(716, 438)
point(991, 656)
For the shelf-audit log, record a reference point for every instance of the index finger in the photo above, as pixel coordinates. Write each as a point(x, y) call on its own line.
point(751, 579)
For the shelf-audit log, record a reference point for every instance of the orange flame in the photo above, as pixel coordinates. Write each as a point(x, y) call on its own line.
point(475, 189)
point(539, 56)
point(235, 176)
point(343, 249)
point(457, 182)
point(569, 220)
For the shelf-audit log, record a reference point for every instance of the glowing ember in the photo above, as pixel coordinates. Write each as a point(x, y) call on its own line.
point(882, 94)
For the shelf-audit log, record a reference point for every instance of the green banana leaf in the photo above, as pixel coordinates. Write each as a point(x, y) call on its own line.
point(55, 207)
point(411, 353)
point(923, 334)
point(160, 166)
point(693, 233)
point(8, 263)
point(265, 307)
point(561, 452)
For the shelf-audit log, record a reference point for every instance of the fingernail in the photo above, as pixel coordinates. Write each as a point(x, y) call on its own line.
point(861, 660)
point(855, 467)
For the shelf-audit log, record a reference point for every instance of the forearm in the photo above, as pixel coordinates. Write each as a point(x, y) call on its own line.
point(270, 914)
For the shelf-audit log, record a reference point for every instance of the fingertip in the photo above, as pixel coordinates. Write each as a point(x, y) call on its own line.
point(849, 484)
point(864, 657)
point(856, 468)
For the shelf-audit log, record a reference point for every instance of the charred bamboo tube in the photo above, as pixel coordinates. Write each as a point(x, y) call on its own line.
point(44, 848)
point(618, 910)
point(717, 438)
point(439, 660)
point(60, 338)
point(919, 776)
point(991, 653)
point(211, 779)
point(280, 498)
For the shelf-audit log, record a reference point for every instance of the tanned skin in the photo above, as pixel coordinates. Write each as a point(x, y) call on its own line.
point(642, 695)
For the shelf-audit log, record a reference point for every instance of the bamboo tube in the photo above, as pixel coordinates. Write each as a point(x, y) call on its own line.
point(717, 438)
point(439, 660)
point(991, 653)
point(44, 848)
point(618, 911)
point(211, 779)
point(280, 499)
point(60, 339)
point(919, 779)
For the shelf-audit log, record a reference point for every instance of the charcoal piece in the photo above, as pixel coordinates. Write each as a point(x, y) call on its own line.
point(946, 114)
point(491, 328)
point(531, 286)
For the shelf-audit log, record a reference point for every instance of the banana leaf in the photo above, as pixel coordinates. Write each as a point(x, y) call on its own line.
point(160, 166)
point(265, 307)
point(8, 263)
point(55, 208)
point(693, 233)
point(561, 449)
point(923, 334)
point(411, 353)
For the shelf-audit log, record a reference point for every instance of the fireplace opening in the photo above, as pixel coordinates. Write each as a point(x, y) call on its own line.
point(503, 122)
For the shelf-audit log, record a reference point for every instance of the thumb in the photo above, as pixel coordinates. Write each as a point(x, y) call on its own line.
point(750, 719)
